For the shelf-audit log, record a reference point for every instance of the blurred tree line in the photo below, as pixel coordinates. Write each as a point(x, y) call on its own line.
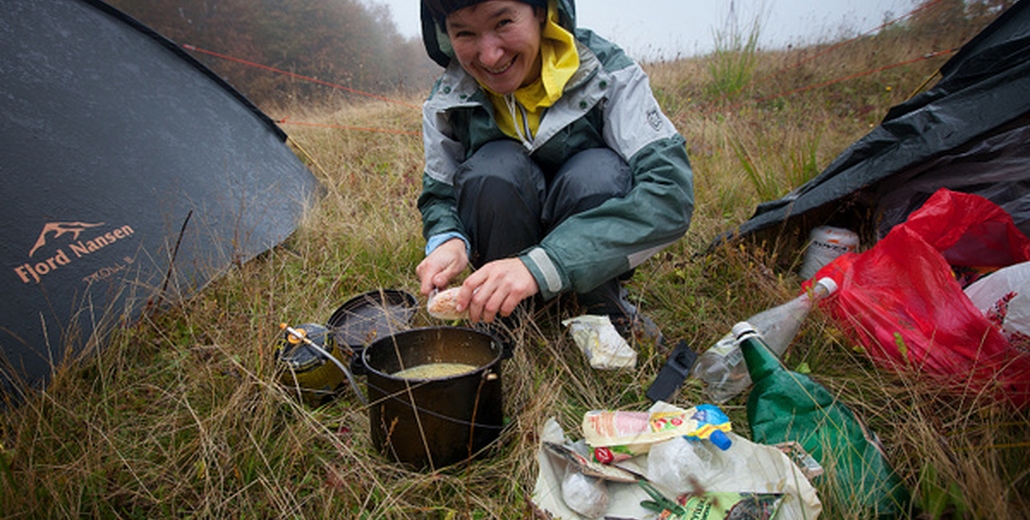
point(345, 42)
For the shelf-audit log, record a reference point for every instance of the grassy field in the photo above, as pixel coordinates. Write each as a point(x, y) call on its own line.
point(180, 416)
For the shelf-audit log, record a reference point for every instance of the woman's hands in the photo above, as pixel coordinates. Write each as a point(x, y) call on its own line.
point(492, 290)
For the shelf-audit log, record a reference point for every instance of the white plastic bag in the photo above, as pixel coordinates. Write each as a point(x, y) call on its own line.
point(1004, 298)
point(745, 467)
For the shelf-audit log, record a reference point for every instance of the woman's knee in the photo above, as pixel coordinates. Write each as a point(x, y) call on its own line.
point(502, 160)
point(597, 172)
point(585, 181)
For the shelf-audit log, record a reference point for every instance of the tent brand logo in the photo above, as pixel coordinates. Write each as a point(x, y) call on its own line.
point(60, 228)
point(77, 247)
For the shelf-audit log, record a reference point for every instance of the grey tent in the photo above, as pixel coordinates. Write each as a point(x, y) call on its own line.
point(132, 177)
point(969, 133)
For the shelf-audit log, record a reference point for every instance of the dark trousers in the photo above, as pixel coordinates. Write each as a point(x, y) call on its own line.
point(507, 203)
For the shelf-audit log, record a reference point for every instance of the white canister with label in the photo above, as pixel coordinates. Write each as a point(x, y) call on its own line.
point(824, 245)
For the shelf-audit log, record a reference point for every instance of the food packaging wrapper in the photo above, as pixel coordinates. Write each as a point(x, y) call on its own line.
point(745, 467)
point(597, 338)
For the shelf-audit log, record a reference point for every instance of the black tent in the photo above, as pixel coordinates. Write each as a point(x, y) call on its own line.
point(132, 176)
point(969, 133)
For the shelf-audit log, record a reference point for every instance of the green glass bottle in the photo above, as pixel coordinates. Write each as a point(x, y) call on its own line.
point(788, 406)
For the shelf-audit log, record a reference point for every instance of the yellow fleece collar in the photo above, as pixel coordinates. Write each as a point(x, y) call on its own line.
point(559, 61)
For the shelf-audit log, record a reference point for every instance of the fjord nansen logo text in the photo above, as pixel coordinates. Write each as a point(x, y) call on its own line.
point(76, 244)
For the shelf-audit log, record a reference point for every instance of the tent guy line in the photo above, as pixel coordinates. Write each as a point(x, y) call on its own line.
point(841, 79)
point(838, 45)
point(286, 121)
point(194, 48)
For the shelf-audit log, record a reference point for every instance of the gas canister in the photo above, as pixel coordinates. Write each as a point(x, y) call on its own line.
point(303, 370)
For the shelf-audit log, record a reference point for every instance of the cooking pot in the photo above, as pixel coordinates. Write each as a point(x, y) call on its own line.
point(434, 422)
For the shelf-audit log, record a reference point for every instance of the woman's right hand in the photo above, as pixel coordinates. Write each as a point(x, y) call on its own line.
point(441, 266)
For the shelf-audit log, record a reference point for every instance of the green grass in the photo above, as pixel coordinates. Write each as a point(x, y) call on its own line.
point(731, 65)
point(180, 415)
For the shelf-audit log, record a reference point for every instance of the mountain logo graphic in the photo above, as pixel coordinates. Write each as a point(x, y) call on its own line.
point(61, 228)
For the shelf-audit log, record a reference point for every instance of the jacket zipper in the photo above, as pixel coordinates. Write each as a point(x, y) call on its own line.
point(521, 129)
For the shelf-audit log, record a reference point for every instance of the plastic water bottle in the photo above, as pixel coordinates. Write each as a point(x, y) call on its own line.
point(722, 370)
point(722, 366)
point(786, 406)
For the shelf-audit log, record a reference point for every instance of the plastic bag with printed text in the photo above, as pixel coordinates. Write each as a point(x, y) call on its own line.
point(903, 301)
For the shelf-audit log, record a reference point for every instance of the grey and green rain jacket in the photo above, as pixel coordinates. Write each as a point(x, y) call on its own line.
point(607, 103)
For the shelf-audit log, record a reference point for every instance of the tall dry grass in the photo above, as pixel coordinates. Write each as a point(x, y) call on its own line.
point(180, 416)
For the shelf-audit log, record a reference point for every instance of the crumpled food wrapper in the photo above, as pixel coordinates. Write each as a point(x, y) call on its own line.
point(603, 346)
point(745, 467)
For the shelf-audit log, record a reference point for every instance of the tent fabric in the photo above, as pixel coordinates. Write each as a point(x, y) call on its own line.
point(968, 133)
point(133, 176)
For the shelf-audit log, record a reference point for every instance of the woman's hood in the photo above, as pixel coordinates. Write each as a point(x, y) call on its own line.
point(438, 45)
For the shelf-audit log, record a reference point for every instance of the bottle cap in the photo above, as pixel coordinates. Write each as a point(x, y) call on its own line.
point(741, 328)
point(720, 440)
point(829, 283)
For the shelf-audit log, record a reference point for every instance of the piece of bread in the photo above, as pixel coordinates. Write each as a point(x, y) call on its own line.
point(441, 305)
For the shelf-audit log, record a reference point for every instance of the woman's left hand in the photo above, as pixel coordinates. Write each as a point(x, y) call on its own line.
point(495, 289)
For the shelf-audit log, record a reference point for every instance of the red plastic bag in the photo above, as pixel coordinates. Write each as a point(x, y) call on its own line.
point(974, 235)
point(901, 302)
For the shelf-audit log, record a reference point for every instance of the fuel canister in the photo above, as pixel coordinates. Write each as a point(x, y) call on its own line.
point(303, 370)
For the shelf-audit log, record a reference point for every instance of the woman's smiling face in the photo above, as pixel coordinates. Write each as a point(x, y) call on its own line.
point(498, 42)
